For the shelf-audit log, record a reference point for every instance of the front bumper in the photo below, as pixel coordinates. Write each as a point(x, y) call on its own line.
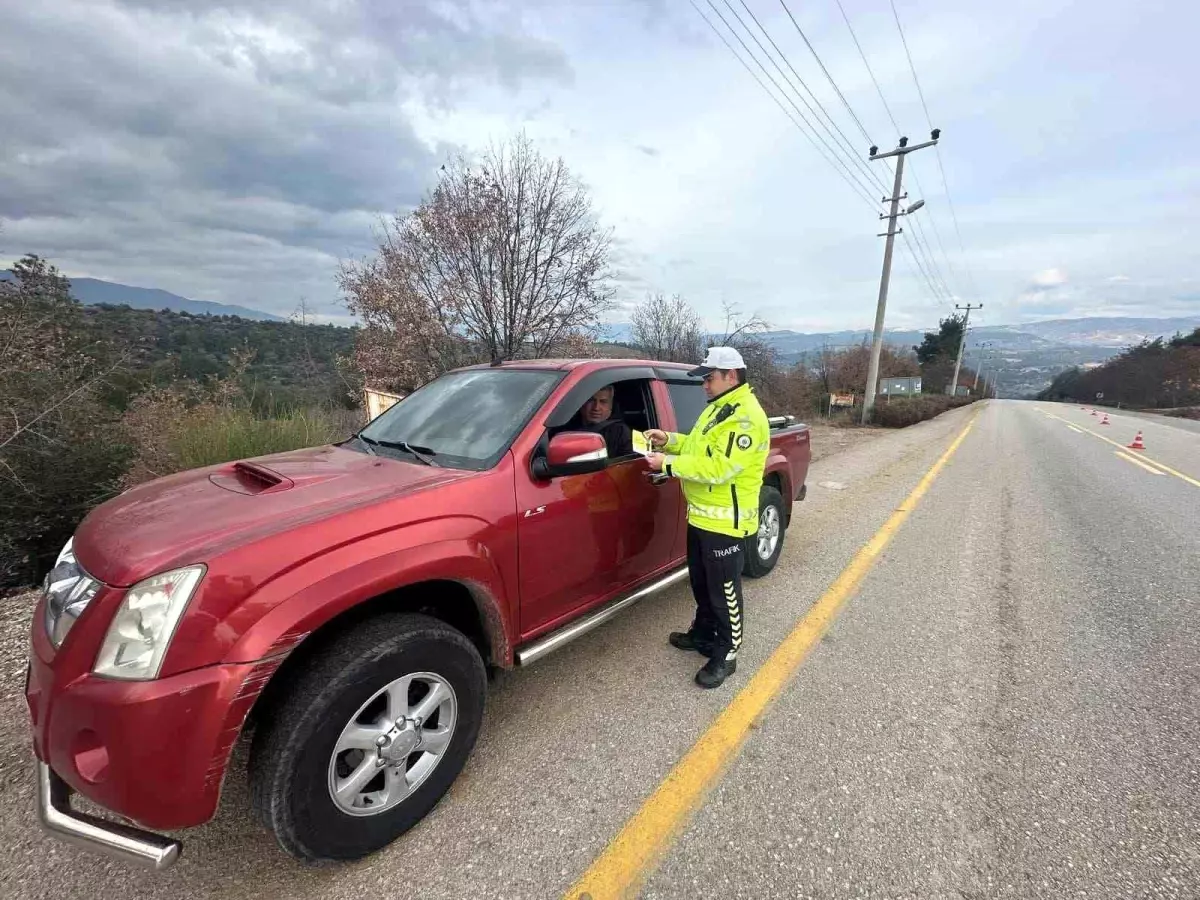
point(132, 845)
point(152, 752)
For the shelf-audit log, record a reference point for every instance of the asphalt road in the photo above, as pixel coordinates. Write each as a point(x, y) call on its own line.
point(1009, 706)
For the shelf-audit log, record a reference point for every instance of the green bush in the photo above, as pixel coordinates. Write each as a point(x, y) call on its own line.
point(900, 412)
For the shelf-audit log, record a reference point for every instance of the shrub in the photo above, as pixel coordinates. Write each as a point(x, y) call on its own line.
point(237, 434)
point(171, 430)
point(900, 412)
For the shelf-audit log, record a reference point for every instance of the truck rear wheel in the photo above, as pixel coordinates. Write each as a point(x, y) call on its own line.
point(372, 734)
point(762, 549)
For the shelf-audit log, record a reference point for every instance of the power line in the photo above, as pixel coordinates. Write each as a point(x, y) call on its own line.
point(833, 151)
point(940, 290)
point(937, 281)
point(941, 169)
point(845, 140)
point(888, 109)
point(826, 71)
point(927, 248)
point(933, 281)
point(870, 72)
point(911, 67)
point(919, 267)
point(920, 233)
point(842, 172)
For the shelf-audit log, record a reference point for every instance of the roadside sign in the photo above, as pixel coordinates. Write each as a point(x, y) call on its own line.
point(1100, 395)
point(378, 402)
point(905, 386)
point(841, 399)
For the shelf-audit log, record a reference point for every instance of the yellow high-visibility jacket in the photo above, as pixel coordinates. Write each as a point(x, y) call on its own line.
point(721, 463)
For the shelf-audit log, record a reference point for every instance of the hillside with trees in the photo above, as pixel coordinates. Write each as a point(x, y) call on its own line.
point(291, 363)
point(1154, 374)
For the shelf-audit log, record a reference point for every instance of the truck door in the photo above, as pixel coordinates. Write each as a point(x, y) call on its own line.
point(584, 539)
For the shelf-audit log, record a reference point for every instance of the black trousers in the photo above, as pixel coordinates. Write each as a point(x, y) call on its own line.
point(715, 569)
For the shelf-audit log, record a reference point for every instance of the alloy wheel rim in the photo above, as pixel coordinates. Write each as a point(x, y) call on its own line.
point(392, 744)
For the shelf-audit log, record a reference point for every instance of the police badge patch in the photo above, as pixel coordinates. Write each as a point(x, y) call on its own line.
point(744, 441)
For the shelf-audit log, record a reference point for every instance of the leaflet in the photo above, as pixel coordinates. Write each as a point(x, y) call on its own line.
point(641, 444)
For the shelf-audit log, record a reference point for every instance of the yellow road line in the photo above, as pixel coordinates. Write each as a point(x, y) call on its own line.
point(1188, 478)
point(1073, 428)
point(628, 860)
point(1137, 462)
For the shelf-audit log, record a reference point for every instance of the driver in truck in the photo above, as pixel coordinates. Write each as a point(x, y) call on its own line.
point(597, 415)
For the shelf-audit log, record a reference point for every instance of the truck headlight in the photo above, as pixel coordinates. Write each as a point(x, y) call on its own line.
point(141, 630)
point(68, 589)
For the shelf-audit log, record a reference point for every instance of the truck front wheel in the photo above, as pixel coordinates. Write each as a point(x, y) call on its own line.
point(761, 550)
point(371, 735)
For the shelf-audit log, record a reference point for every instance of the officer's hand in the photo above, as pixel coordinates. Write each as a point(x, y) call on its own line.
point(657, 461)
point(656, 437)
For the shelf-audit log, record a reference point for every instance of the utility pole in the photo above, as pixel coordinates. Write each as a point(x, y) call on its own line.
point(877, 338)
point(983, 361)
point(962, 343)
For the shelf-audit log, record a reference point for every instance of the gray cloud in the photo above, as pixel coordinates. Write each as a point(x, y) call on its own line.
point(235, 152)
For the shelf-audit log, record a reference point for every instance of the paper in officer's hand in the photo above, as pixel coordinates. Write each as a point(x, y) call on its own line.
point(641, 444)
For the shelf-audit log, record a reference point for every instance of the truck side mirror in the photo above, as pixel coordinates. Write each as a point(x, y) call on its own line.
point(571, 453)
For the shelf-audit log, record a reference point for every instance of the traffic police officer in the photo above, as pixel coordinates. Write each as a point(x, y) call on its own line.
point(720, 463)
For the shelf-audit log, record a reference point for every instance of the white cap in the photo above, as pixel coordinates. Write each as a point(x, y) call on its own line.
point(719, 358)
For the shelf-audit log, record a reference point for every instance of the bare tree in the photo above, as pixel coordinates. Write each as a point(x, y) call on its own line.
point(503, 259)
point(668, 329)
point(742, 329)
point(824, 368)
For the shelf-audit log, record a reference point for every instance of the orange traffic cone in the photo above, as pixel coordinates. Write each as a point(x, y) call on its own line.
point(1094, 413)
point(1104, 421)
point(1137, 443)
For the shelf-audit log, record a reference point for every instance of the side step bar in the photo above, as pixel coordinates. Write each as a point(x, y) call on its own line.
point(123, 842)
point(568, 633)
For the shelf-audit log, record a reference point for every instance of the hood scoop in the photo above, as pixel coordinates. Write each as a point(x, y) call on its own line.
point(250, 478)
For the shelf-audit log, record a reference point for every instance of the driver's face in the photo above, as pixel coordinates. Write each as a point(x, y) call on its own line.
point(599, 407)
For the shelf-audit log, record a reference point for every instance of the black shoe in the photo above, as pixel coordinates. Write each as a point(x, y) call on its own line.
point(715, 672)
point(685, 640)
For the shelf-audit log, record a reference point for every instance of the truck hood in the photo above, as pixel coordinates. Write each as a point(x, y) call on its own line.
point(195, 515)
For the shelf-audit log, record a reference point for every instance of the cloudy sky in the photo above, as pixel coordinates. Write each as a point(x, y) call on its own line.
point(236, 151)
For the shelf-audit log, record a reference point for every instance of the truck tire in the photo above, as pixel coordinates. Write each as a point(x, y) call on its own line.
point(762, 549)
point(370, 736)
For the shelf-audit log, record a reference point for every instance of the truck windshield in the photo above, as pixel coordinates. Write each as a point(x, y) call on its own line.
point(465, 419)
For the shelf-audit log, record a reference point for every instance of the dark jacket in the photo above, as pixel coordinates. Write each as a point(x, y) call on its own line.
point(618, 437)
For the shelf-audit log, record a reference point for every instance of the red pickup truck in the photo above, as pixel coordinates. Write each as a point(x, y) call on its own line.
point(343, 604)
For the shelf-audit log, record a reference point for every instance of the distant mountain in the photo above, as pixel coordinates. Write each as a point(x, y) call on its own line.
point(93, 291)
point(787, 342)
point(1107, 332)
point(1094, 332)
point(790, 342)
